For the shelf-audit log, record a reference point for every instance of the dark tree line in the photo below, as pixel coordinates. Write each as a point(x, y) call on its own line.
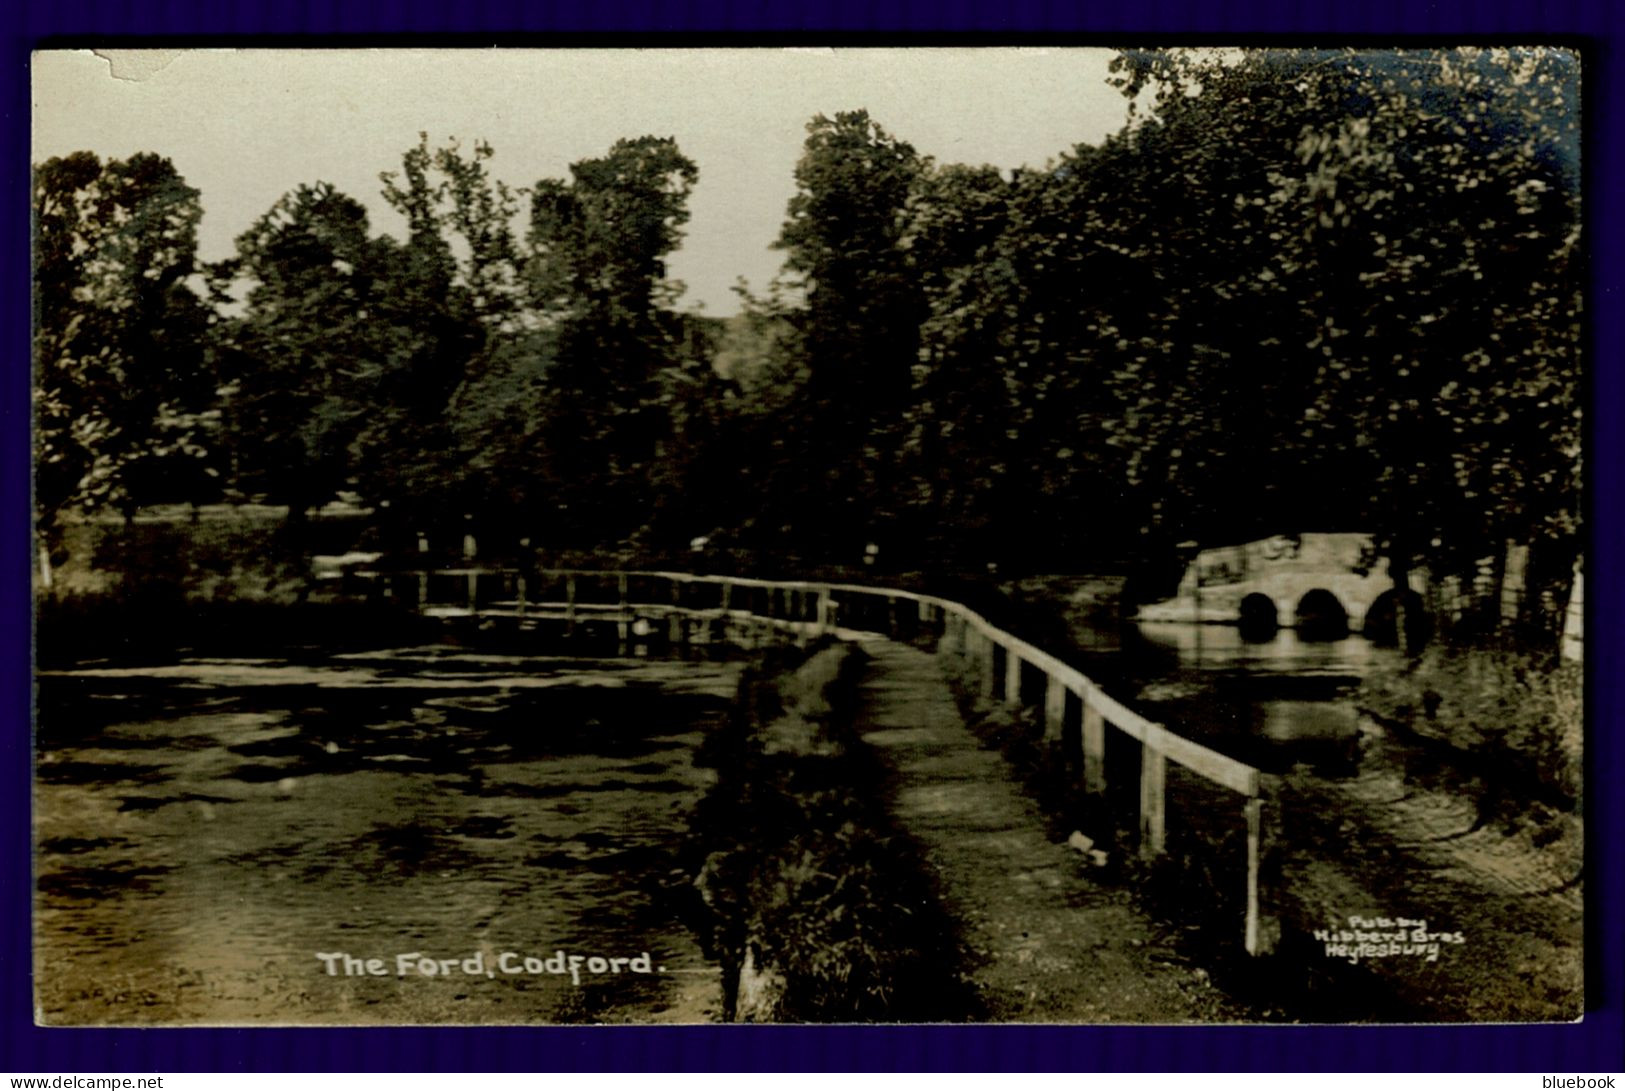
point(1299, 290)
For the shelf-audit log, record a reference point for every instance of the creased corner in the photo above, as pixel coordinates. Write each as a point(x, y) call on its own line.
point(136, 65)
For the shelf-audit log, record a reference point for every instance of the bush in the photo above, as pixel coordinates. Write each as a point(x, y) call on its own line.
point(1505, 722)
point(815, 905)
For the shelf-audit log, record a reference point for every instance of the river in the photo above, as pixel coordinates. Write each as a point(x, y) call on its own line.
point(1276, 701)
point(1362, 830)
point(407, 836)
point(434, 835)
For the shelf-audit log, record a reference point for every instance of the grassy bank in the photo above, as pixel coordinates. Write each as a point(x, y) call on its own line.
point(813, 903)
point(1342, 844)
point(1196, 890)
point(1498, 724)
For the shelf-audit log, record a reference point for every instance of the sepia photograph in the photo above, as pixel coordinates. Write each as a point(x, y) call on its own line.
point(864, 535)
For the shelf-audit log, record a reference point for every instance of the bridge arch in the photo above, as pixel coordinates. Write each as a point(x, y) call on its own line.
point(1258, 617)
point(1321, 615)
point(1382, 618)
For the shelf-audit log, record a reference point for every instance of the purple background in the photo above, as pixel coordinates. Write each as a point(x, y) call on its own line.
point(1595, 1044)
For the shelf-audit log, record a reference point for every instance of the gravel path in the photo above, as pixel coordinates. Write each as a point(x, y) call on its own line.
point(1048, 945)
point(1374, 844)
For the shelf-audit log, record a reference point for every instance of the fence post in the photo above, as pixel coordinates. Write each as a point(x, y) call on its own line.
point(621, 615)
point(473, 593)
point(519, 593)
point(674, 621)
point(1573, 638)
point(423, 576)
point(1094, 749)
point(1012, 678)
point(984, 646)
point(570, 604)
point(1254, 811)
point(1054, 707)
point(1153, 801)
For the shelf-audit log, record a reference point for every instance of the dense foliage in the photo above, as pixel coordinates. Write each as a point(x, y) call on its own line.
point(1299, 290)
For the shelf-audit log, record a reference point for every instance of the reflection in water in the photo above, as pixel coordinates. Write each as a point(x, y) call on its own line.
point(1283, 651)
point(1275, 701)
point(206, 829)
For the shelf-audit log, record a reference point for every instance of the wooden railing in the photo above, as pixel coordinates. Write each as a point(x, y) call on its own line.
point(810, 607)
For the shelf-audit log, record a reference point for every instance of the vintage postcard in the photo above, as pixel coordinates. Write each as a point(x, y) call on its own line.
point(862, 535)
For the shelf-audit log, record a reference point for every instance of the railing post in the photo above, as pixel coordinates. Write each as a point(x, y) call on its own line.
point(1254, 810)
point(1153, 801)
point(1012, 678)
point(621, 622)
point(570, 604)
point(1094, 749)
point(473, 593)
point(519, 592)
point(989, 677)
point(727, 593)
point(1054, 707)
point(423, 576)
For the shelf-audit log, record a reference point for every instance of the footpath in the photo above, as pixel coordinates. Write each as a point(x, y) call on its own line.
point(1046, 944)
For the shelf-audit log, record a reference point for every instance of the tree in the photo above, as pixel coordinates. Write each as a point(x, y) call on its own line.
point(460, 224)
point(305, 358)
point(1398, 238)
point(859, 328)
point(122, 382)
point(962, 448)
point(451, 309)
point(597, 271)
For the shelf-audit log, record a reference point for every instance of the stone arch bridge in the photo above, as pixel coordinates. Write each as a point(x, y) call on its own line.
point(1288, 580)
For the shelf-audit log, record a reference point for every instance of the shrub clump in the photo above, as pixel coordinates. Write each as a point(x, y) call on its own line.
point(1506, 725)
point(813, 902)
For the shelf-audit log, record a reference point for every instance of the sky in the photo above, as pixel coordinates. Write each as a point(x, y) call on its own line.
point(246, 126)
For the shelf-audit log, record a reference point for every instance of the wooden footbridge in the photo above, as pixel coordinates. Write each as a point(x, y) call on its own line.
point(686, 608)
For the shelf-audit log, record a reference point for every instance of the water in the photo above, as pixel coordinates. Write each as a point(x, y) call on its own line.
point(1275, 701)
point(1360, 829)
point(206, 829)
